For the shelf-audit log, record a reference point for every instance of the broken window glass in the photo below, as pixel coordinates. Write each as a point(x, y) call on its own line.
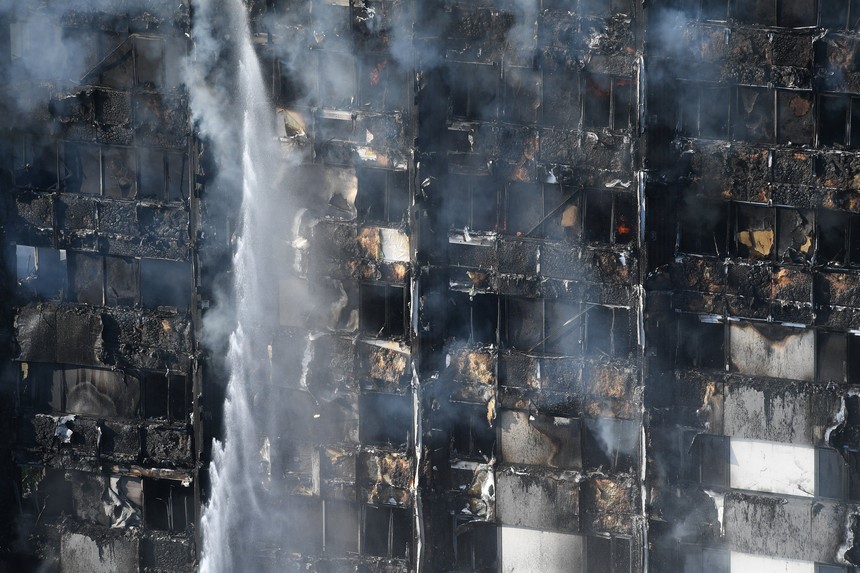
point(471, 436)
point(597, 101)
point(524, 207)
point(384, 419)
point(166, 396)
point(562, 212)
point(522, 95)
point(754, 119)
point(383, 84)
point(795, 241)
point(177, 176)
point(833, 232)
point(796, 13)
point(761, 12)
point(86, 277)
point(523, 323)
point(598, 555)
point(341, 527)
point(167, 505)
point(474, 91)
point(473, 202)
point(382, 310)
point(152, 173)
point(714, 9)
point(796, 117)
point(711, 455)
point(561, 103)
point(608, 332)
point(165, 284)
point(475, 546)
point(35, 163)
point(41, 270)
point(120, 173)
point(701, 344)
point(97, 392)
point(754, 231)
point(337, 83)
point(386, 532)
point(563, 328)
point(148, 58)
point(82, 168)
point(831, 352)
point(598, 216)
point(832, 120)
point(611, 443)
point(121, 282)
point(383, 196)
point(702, 227)
point(473, 318)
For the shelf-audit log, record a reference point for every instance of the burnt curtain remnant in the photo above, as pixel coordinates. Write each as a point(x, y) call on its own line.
point(399, 286)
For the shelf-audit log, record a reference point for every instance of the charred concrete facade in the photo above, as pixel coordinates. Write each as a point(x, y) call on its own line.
point(99, 319)
point(750, 319)
point(587, 272)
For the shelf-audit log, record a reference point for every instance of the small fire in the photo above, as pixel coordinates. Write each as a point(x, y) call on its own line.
point(376, 72)
point(623, 228)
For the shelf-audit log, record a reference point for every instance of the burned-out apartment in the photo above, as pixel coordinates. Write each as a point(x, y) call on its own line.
point(533, 285)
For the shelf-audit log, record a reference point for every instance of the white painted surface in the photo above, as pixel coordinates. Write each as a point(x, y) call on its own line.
point(745, 563)
point(755, 354)
point(772, 467)
point(530, 551)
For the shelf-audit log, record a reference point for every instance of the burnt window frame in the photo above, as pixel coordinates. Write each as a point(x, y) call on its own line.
point(851, 120)
point(26, 150)
point(392, 533)
point(328, 546)
point(741, 131)
point(775, 215)
point(707, 559)
point(691, 125)
point(579, 322)
point(783, 99)
point(688, 321)
point(175, 505)
point(389, 328)
point(564, 83)
point(591, 236)
point(690, 228)
point(850, 239)
point(54, 285)
point(174, 385)
point(613, 110)
point(543, 229)
point(372, 427)
point(516, 83)
point(612, 7)
point(616, 551)
point(475, 186)
point(471, 423)
point(475, 304)
point(852, 12)
point(617, 341)
point(466, 559)
point(776, 17)
point(469, 81)
point(391, 185)
point(346, 61)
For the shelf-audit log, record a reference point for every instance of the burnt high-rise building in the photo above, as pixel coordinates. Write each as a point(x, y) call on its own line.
point(489, 285)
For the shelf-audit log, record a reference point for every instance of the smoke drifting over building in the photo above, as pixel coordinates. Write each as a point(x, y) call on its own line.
point(437, 286)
